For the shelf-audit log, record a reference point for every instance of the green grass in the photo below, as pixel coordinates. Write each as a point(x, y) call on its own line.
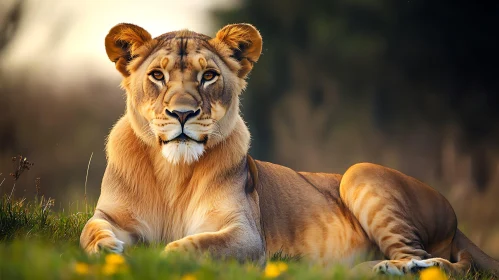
point(35, 220)
point(38, 243)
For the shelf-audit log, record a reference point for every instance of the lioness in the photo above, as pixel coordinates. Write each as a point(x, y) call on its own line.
point(179, 173)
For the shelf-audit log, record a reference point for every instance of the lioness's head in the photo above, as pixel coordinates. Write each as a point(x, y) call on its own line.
point(183, 87)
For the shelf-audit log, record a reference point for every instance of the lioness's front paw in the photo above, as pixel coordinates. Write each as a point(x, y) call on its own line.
point(179, 246)
point(104, 240)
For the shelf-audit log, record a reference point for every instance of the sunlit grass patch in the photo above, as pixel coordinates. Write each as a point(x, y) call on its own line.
point(22, 259)
point(37, 243)
point(34, 219)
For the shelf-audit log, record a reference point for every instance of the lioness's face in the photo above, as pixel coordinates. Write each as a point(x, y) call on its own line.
point(182, 86)
point(182, 91)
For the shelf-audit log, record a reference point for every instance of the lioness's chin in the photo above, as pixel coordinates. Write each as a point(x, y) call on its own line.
point(182, 151)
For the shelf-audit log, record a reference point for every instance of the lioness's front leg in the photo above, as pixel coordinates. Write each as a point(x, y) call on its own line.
point(239, 237)
point(239, 241)
point(101, 234)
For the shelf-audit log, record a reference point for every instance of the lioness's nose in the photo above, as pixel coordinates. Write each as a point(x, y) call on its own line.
point(182, 117)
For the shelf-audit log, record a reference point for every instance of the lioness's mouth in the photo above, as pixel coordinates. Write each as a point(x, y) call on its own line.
point(182, 138)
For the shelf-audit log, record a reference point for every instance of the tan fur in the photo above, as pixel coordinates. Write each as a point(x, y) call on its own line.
point(205, 194)
point(122, 42)
point(245, 42)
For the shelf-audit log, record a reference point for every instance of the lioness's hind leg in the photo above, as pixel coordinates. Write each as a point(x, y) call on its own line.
point(404, 217)
point(375, 198)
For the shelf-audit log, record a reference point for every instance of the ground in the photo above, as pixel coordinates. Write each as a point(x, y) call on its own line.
point(39, 243)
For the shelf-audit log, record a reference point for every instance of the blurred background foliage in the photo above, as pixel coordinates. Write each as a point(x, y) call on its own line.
point(408, 84)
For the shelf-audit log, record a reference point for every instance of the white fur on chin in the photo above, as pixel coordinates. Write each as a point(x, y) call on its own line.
point(188, 152)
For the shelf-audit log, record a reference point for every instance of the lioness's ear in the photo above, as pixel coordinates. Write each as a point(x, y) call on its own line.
point(245, 42)
point(121, 43)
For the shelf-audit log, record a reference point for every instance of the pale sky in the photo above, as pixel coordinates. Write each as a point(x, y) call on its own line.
point(67, 36)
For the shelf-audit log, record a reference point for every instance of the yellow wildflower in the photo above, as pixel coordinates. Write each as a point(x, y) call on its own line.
point(109, 269)
point(433, 273)
point(271, 270)
point(82, 268)
point(275, 269)
point(115, 259)
point(282, 266)
point(188, 277)
point(114, 263)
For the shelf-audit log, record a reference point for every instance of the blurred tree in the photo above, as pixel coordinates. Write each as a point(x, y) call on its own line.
point(55, 122)
point(9, 23)
point(393, 64)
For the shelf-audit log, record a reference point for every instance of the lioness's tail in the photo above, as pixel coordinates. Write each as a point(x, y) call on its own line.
point(481, 261)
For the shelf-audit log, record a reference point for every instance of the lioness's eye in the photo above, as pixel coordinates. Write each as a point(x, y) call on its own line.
point(209, 75)
point(157, 75)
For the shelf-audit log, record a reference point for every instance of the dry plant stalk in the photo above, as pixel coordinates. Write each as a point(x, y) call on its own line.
point(20, 164)
point(86, 180)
